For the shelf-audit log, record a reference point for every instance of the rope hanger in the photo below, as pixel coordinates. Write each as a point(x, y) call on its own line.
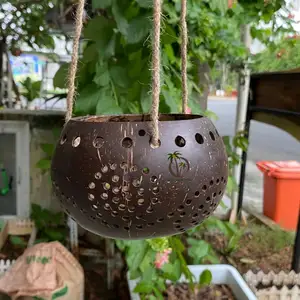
point(157, 10)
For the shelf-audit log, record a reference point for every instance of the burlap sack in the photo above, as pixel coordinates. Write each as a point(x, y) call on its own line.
point(45, 271)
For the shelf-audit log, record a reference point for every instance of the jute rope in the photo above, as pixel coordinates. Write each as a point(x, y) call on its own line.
point(74, 61)
point(157, 9)
point(156, 72)
point(184, 43)
point(156, 65)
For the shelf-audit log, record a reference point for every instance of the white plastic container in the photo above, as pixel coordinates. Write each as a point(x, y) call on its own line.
point(221, 274)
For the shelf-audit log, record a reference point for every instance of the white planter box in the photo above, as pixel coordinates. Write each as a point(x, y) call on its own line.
point(221, 274)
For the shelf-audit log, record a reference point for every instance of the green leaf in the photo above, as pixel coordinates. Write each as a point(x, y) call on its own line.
point(233, 243)
point(121, 244)
point(170, 53)
point(222, 227)
point(102, 76)
point(172, 271)
point(148, 260)
point(205, 278)
point(159, 244)
point(43, 240)
point(169, 35)
point(110, 47)
point(144, 288)
point(138, 29)
point(106, 104)
point(135, 274)
point(44, 164)
point(17, 241)
point(88, 99)
point(136, 64)
point(233, 228)
point(145, 3)
point(178, 248)
point(158, 294)
point(118, 12)
point(60, 77)
point(54, 234)
point(90, 53)
point(148, 274)
point(221, 5)
point(101, 30)
point(145, 100)
point(136, 254)
point(213, 258)
point(177, 244)
point(160, 284)
point(211, 115)
point(199, 250)
point(101, 3)
point(48, 149)
point(231, 185)
point(119, 76)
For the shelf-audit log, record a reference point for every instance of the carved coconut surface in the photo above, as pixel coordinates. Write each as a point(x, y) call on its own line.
point(112, 182)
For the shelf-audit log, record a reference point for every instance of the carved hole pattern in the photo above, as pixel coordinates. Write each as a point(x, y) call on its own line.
point(203, 211)
point(114, 187)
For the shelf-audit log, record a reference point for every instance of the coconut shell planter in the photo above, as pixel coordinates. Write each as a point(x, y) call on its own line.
point(111, 180)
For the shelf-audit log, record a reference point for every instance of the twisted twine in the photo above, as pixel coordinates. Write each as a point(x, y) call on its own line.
point(74, 61)
point(157, 4)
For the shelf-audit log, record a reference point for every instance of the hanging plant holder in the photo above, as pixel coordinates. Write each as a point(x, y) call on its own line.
point(115, 184)
point(139, 176)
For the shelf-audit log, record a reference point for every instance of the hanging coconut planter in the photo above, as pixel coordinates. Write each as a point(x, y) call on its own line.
point(139, 176)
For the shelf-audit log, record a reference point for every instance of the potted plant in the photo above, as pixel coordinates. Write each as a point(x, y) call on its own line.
point(213, 280)
point(158, 268)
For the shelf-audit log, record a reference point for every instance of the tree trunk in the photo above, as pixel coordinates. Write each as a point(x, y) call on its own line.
point(224, 76)
point(241, 113)
point(204, 81)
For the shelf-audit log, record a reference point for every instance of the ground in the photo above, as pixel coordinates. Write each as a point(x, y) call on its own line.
point(260, 249)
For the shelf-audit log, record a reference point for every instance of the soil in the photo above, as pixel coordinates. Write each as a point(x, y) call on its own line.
point(11, 251)
point(251, 255)
point(211, 292)
point(96, 284)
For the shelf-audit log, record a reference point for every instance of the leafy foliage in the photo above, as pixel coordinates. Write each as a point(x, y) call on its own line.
point(115, 74)
point(44, 163)
point(239, 141)
point(31, 89)
point(50, 225)
point(140, 257)
point(24, 22)
point(283, 56)
point(205, 278)
point(17, 241)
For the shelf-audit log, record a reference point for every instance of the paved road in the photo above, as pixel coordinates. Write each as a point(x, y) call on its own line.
point(266, 143)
